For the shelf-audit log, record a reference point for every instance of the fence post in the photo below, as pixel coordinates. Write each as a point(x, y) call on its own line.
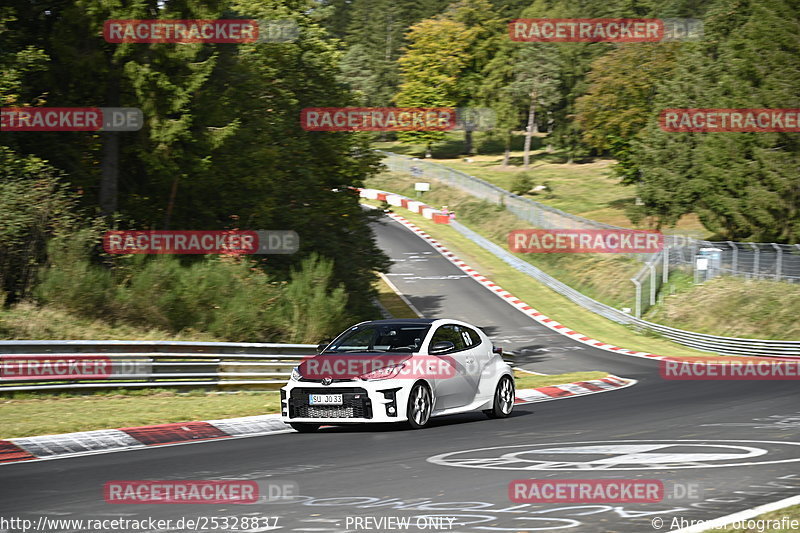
point(778, 261)
point(756, 260)
point(653, 282)
point(638, 303)
point(735, 259)
point(665, 266)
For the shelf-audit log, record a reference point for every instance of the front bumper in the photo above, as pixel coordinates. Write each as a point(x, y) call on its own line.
point(362, 401)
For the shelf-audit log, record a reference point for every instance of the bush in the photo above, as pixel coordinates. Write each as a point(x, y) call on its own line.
point(522, 184)
point(34, 206)
point(228, 297)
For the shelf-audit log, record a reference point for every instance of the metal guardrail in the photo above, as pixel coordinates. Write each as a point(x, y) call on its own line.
point(699, 341)
point(156, 364)
point(749, 260)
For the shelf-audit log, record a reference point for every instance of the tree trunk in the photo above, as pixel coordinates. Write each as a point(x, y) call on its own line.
point(109, 164)
point(507, 154)
point(467, 139)
point(529, 129)
point(171, 205)
point(109, 173)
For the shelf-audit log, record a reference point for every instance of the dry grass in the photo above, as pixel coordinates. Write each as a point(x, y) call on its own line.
point(524, 380)
point(735, 308)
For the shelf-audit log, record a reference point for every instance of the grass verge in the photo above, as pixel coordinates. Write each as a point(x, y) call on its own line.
point(31, 414)
point(43, 414)
point(524, 380)
point(392, 301)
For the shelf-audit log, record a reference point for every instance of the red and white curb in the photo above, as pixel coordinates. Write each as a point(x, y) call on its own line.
point(113, 440)
point(135, 438)
point(516, 302)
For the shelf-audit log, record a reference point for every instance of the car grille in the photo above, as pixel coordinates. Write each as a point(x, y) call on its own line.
point(355, 404)
point(309, 380)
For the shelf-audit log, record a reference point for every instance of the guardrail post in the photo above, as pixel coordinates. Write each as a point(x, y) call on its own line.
point(778, 260)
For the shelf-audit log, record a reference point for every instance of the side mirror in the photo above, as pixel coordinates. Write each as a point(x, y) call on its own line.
point(497, 349)
point(442, 347)
point(322, 345)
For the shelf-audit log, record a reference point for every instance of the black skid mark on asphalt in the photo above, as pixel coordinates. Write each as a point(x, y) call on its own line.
point(428, 305)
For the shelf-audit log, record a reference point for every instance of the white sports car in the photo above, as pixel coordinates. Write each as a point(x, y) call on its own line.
point(400, 370)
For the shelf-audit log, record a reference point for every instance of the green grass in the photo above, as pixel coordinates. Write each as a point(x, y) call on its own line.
point(26, 415)
point(544, 299)
point(31, 414)
point(26, 321)
point(392, 302)
point(791, 513)
point(524, 380)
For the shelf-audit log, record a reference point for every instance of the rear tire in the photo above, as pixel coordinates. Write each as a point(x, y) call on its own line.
point(503, 402)
point(304, 427)
point(419, 407)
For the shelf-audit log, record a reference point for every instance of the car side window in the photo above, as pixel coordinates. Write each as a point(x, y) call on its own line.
point(470, 336)
point(449, 332)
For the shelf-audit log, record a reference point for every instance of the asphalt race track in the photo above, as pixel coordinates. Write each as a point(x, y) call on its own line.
point(734, 445)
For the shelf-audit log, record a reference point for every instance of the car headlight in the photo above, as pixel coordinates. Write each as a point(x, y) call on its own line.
point(296, 374)
point(383, 373)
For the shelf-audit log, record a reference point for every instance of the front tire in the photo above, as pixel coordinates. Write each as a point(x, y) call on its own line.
point(303, 427)
point(503, 399)
point(420, 405)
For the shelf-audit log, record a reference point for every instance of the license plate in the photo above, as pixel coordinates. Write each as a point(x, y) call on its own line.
point(325, 399)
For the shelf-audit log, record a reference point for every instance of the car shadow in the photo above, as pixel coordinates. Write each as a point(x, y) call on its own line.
point(444, 421)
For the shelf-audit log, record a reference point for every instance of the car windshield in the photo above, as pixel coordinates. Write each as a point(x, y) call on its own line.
point(379, 338)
